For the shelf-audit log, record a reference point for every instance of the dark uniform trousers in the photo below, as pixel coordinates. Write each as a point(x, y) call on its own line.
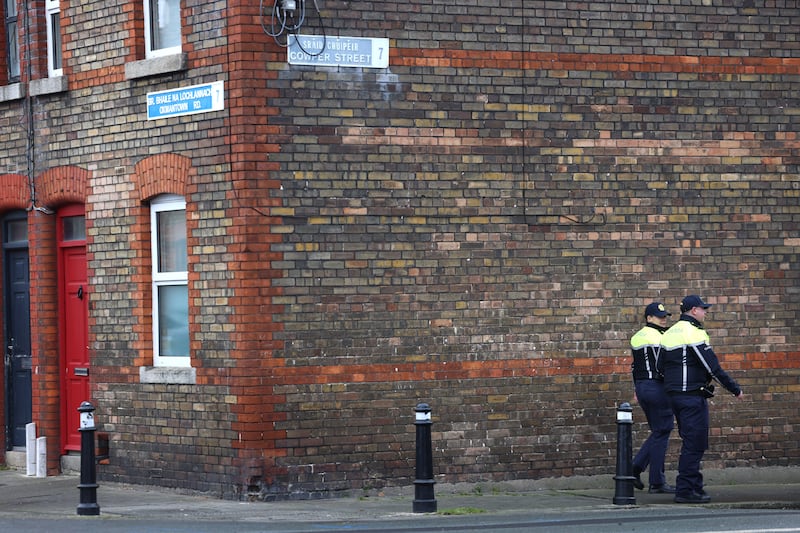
point(691, 412)
point(657, 410)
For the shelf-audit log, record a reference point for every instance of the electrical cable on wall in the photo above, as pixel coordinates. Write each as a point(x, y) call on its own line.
point(285, 18)
point(30, 123)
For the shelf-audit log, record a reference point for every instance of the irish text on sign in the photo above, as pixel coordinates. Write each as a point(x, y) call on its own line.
point(326, 51)
point(186, 101)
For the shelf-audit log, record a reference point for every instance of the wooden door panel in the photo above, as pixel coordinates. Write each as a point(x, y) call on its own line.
point(75, 344)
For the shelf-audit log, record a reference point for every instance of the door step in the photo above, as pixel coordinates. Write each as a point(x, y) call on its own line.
point(17, 459)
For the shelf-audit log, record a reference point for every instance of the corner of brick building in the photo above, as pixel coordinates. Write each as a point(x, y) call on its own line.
point(44, 336)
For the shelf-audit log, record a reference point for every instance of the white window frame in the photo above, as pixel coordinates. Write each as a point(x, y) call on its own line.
point(149, 19)
point(160, 204)
point(53, 9)
point(11, 21)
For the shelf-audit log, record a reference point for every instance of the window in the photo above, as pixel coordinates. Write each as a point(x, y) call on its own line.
point(170, 281)
point(12, 39)
point(53, 38)
point(16, 230)
point(74, 228)
point(162, 26)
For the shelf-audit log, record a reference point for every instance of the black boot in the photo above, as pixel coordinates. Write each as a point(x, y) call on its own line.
point(637, 478)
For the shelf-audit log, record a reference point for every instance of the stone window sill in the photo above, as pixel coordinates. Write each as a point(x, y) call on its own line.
point(155, 66)
point(14, 91)
point(44, 86)
point(168, 374)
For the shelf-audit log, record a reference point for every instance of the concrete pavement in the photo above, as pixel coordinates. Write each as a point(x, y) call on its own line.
point(57, 497)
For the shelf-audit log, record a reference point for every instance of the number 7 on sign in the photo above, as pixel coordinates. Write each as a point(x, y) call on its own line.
point(218, 96)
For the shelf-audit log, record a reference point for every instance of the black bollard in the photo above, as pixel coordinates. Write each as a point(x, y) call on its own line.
point(88, 487)
point(424, 501)
point(623, 489)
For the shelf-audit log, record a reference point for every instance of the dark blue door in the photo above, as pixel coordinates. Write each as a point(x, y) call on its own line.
point(17, 330)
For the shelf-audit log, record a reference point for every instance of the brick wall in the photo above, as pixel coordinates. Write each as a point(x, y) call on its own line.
point(44, 335)
point(477, 227)
point(480, 226)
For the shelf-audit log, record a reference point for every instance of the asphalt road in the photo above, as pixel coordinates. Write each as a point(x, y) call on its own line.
point(621, 520)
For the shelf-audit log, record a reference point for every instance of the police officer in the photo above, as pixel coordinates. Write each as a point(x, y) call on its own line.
point(649, 384)
point(689, 365)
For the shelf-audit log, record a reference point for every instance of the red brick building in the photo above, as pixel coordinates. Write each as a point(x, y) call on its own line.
point(255, 259)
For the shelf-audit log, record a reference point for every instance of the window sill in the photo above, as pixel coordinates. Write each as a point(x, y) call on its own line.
point(155, 66)
point(168, 374)
point(42, 86)
point(14, 91)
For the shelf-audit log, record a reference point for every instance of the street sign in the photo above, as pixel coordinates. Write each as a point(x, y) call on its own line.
point(186, 101)
point(324, 51)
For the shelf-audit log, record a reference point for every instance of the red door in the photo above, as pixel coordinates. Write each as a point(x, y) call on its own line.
point(73, 323)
